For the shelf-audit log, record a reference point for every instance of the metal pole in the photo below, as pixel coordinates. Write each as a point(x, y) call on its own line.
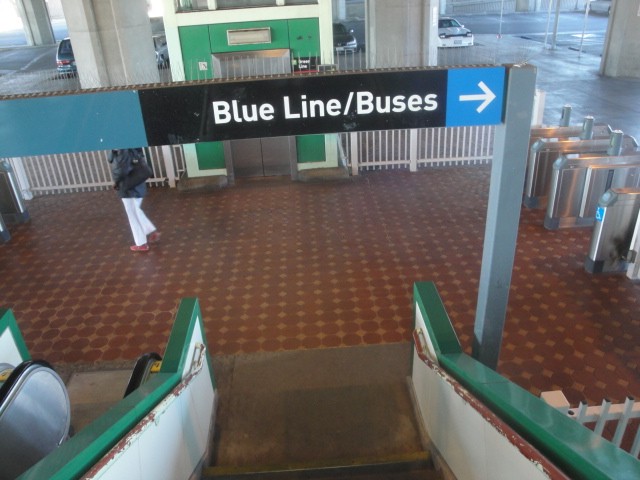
point(555, 25)
point(584, 26)
point(500, 28)
point(511, 145)
point(546, 32)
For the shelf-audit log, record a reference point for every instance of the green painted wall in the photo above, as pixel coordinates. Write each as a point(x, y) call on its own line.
point(310, 148)
point(301, 36)
point(279, 36)
point(304, 37)
point(210, 155)
point(196, 51)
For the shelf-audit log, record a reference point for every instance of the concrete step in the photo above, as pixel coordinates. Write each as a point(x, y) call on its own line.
point(309, 413)
point(409, 467)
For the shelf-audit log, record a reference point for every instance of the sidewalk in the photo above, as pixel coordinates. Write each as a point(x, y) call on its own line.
point(569, 77)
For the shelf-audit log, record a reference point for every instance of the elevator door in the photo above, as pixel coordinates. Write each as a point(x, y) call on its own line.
point(257, 157)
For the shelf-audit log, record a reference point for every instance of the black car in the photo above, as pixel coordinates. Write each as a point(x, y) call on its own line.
point(343, 39)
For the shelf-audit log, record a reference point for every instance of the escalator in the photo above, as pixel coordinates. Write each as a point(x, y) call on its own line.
point(35, 411)
point(35, 416)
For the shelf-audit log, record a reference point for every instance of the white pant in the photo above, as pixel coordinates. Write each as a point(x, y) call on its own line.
point(141, 226)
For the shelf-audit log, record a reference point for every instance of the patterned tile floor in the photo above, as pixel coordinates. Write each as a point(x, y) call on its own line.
point(278, 265)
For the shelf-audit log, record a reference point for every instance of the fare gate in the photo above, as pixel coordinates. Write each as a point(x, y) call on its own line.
point(545, 151)
point(588, 130)
point(616, 217)
point(579, 181)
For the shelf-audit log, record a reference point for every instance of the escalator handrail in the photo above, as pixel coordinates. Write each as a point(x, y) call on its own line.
point(141, 370)
point(8, 386)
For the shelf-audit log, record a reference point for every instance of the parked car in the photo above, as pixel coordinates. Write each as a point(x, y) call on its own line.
point(343, 39)
point(162, 52)
point(600, 6)
point(65, 61)
point(452, 33)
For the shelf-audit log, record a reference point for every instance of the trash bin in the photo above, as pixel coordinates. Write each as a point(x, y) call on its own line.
point(12, 208)
point(616, 217)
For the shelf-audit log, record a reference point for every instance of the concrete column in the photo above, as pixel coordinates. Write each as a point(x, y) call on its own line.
point(339, 9)
point(111, 42)
point(620, 56)
point(36, 22)
point(402, 34)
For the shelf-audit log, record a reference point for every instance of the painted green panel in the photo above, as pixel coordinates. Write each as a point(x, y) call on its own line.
point(210, 155)
point(196, 50)
point(571, 446)
point(279, 36)
point(8, 322)
point(71, 123)
point(310, 148)
point(75, 456)
point(304, 37)
point(441, 331)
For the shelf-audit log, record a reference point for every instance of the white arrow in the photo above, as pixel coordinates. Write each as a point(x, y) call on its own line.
point(487, 96)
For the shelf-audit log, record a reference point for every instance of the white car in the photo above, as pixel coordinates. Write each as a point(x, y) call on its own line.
point(452, 33)
point(600, 6)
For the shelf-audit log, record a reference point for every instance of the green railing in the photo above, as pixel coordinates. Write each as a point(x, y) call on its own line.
point(573, 448)
point(82, 451)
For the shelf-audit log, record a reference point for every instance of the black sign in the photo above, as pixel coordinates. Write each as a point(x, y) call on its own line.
point(224, 110)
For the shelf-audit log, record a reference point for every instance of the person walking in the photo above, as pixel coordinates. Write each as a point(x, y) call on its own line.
point(143, 230)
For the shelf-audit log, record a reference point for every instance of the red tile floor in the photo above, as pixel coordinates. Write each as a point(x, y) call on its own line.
point(278, 265)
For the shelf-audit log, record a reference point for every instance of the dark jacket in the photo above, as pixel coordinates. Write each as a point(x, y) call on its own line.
point(120, 161)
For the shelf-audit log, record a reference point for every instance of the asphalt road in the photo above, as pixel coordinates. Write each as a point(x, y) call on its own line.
point(32, 69)
point(522, 24)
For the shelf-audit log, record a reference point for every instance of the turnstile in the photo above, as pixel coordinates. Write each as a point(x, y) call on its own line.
point(578, 182)
point(587, 131)
point(545, 151)
point(12, 208)
point(615, 221)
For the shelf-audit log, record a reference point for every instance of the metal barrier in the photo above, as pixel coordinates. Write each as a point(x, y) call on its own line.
point(587, 131)
point(12, 207)
point(579, 181)
point(5, 236)
point(616, 217)
point(545, 151)
point(633, 270)
point(618, 414)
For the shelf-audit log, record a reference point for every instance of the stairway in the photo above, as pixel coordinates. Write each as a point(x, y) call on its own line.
point(327, 413)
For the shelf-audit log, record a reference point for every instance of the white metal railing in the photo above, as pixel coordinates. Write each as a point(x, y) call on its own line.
point(599, 415)
point(89, 171)
point(415, 148)
point(509, 6)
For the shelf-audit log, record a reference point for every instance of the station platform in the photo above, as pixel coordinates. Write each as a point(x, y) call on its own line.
point(312, 277)
point(285, 266)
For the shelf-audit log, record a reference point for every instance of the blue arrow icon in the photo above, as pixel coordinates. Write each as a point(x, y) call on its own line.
point(475, 96)
point(487, 97)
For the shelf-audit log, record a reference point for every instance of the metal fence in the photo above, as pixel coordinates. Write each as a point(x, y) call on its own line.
point(620, 414)
point(89, 171)
point(417, 148)
point(511, 6)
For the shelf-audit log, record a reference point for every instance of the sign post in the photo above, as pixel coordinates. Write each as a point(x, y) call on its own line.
point(510, 149)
